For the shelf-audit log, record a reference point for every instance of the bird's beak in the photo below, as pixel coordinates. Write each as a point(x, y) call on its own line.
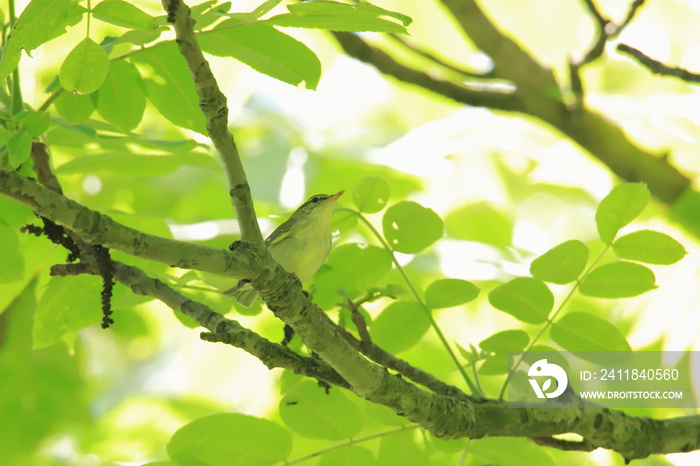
point(337, 195)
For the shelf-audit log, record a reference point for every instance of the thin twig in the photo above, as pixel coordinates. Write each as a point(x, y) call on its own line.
point(657, 67)
point(435, 59)
point(607, 30)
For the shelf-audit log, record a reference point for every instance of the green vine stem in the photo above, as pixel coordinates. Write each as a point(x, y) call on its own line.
point(550, 320)
point(426, 310)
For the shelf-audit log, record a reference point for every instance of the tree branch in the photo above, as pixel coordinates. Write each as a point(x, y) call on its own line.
point(606, 31)
point(657, 67)
point(534, 82)
point(97, 228)
point(406, 43)
point(213, 104)
point(444, 416)
point(222, 329)
point(413, 373)
point(591, 131)
point(355, 47)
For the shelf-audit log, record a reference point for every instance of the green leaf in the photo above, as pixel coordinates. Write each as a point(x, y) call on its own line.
point(4, 136)
point(450, 292)
point(169, 85)
point(124, 14)
point(34, 123)
point(40, 21)
point(219, 439)
point(207, 13)
point(506, 340)
point(68, 304)
point(265, 49)
point(524, 298)
point(311, 412)
point(561, 264)
point(121, 100)
point(580, 331)
point(74, 108)
point(401, 449)
point(85, 68)
point(138, 37)
point(369, 8)
point(649, 246)
point(352, 268)
point(618, 280)
point(337, 16)
point(409, 227)
point(352, 455)
point(265, 8)
point(624, 203)
point(20, 146)
point(480, 222)
point(495, 364)
point(355, 267)
point(399, 326)
point(11, 260)
point(371, 194)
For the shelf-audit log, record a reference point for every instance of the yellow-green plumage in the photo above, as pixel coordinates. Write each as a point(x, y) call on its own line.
point(300, 245)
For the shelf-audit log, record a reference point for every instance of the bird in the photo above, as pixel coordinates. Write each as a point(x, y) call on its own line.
point(300, 245)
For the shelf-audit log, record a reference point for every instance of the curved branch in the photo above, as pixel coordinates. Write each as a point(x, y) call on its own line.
point(355, 47)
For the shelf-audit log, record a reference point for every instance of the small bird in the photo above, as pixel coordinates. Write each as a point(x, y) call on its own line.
point(300, 245)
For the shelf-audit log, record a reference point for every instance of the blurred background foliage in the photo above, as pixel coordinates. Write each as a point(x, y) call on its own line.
point(507, 187)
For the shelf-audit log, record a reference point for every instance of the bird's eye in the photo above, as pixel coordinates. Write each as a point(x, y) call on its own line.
point(315, 199)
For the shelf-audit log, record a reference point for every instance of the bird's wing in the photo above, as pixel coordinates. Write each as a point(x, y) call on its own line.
point(279, 234)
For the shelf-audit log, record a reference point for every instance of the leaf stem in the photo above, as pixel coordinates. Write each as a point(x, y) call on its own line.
point(89, 15)
point(550, 320)
point(348, 443)
point(472, 387)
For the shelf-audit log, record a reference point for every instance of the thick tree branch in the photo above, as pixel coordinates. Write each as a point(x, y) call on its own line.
point(213, 104)
point(511, 62)
point(96, 228)
point(444, 416)
point(591, 131)
point(449, 417)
